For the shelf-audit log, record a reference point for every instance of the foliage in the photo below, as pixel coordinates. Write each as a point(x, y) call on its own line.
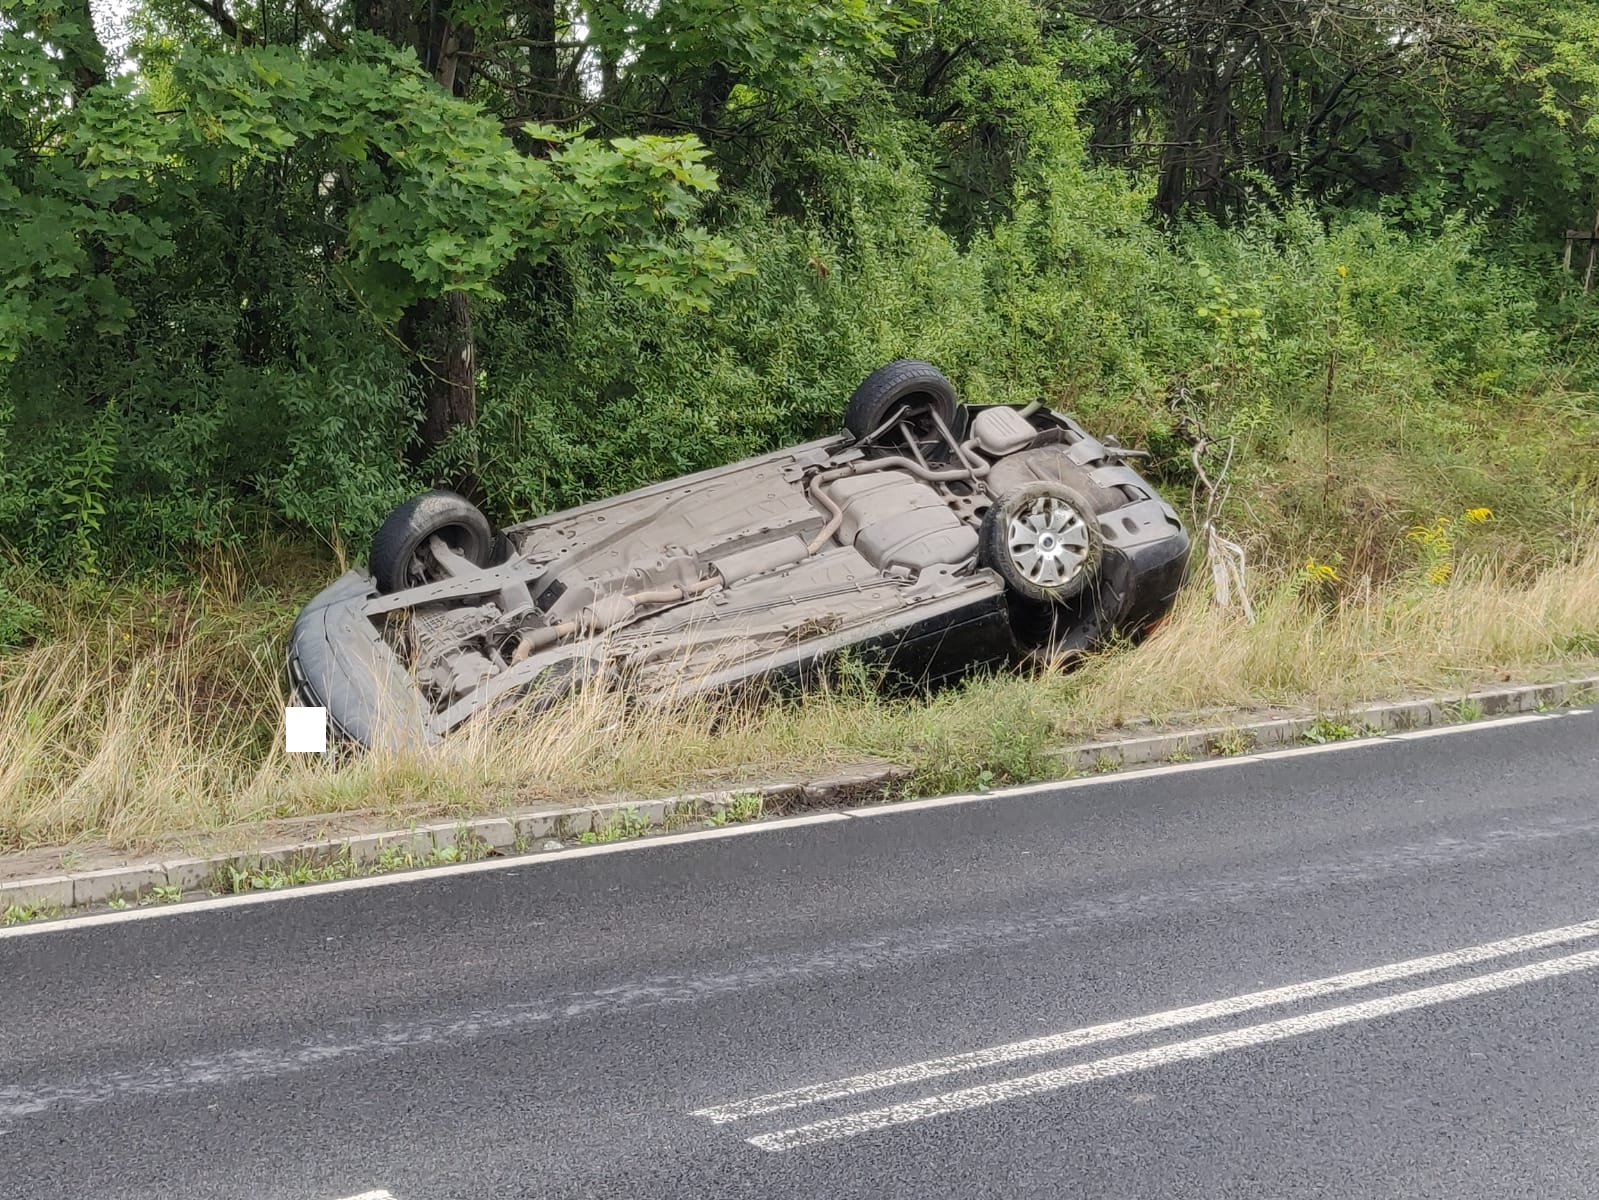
point(21, 621)
point(283, 265)
point(1419, 108)
point(1435, 543)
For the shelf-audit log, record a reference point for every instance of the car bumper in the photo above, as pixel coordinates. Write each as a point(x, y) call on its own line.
point(338, 661)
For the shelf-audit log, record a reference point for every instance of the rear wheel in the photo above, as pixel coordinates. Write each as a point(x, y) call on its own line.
point(908, 389)
point(1042, 540)
point(401, 557)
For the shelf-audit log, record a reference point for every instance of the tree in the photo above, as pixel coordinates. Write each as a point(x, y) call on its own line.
point(1350, 100)
point(420, 195)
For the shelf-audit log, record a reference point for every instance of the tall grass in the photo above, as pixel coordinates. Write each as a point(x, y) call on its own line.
point(145, 740)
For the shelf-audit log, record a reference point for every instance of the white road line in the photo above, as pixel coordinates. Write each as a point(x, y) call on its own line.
point(1143, 1060)
point(1133, 774)
point(523, 862)
point(378, 1194)
point(1115, 1030)
point(1416, 735)
point(512, 863)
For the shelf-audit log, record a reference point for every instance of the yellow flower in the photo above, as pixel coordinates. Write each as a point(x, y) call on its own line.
point(1317, 572)
point(1478, 516)
point(1343, 271)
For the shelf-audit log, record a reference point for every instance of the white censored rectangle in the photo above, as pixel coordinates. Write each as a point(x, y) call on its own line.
point(305, 730)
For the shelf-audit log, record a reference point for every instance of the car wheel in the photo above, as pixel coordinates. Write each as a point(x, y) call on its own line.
point(1042, 540)
point(400, 557)
point(917, 387)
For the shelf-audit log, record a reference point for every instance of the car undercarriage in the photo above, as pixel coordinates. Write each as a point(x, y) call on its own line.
point(932, 536)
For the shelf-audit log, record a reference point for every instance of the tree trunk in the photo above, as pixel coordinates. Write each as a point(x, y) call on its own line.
point(1176, 165)
point(84, 55)
point(714, 94)
point(439, 332)
point(544, 65)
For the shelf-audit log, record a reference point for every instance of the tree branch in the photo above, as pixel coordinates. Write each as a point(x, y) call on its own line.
point(225, 22)
point(318, 20)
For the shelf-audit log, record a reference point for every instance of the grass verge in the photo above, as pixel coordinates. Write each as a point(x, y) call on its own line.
point(144, 720)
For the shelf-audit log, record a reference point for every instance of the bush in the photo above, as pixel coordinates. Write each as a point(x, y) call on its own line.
point(1362, 375)
point(21, 622)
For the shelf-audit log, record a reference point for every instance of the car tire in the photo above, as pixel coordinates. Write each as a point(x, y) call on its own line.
point(397, 559)
point(1042, 540)
point(903, 382)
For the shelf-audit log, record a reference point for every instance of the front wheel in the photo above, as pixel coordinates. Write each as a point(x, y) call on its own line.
point(400, 555)
point(1042, 540)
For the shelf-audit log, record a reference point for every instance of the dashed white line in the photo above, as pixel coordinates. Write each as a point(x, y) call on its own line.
point(1115, 1030)
point(377, 1194)
point(1142, 1060)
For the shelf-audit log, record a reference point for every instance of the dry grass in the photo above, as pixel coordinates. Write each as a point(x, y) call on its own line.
point(160, 718)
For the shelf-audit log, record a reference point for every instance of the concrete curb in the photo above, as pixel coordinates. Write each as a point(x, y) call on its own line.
point(610, 820)
point(1363, 720)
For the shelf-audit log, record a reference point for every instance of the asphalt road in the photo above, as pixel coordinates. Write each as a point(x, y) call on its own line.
point(892, 1005)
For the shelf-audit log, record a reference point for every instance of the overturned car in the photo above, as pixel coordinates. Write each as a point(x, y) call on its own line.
point(931, 535)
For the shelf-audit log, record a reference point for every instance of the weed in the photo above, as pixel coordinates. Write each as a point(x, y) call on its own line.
point(394, 857)
point(625, 824)
point(1231, 743)
point(1106, 763)
point(163, 893)
point(1464, 711)
point(680, 815)
point(746, 806)
point(467, 847)
point(272, 876)
point(117, 903)
point(20, 913)
point(1325, 729)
